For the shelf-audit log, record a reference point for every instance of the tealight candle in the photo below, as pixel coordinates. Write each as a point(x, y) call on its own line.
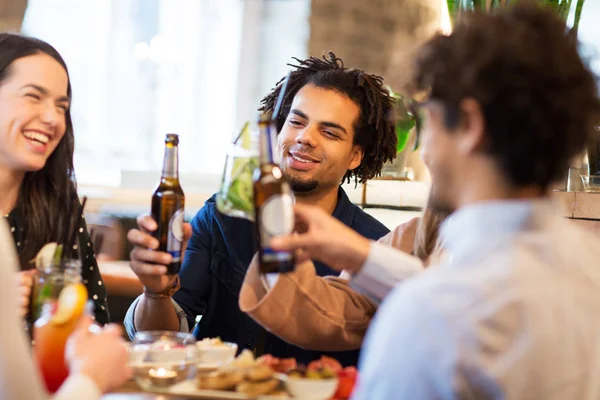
point(162, 377)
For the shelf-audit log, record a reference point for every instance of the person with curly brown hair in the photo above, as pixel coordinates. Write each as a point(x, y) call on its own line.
point(334, 126)
point(510, 311)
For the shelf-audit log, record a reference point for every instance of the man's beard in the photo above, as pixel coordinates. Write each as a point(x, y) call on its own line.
point(302, 186)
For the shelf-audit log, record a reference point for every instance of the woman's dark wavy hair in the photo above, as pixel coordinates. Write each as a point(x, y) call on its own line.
point(46, 197)
point(373, 131)
point(538, 97)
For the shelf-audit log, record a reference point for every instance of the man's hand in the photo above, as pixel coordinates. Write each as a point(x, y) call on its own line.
point(24, 287)
point(101, 356)
point(149, 264)
point(319, 236)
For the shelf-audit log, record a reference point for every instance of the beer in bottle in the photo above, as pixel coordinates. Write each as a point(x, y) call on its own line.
point(168, 205)
point(273, 202)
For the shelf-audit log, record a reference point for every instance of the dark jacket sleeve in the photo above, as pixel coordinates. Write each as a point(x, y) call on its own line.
point(195, 269)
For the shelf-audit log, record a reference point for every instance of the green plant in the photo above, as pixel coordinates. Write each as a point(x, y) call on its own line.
point(405, 121)
point(561, 7)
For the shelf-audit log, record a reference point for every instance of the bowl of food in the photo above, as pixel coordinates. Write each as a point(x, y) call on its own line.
point(591, 183)
point(315, 382)
point(310, 384)
point(215, 352)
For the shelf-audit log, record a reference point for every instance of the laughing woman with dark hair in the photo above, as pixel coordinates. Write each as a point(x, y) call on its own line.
point(37, 181)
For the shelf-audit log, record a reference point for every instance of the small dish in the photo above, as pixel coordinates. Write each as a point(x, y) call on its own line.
point(211, 352)
point(309, 389)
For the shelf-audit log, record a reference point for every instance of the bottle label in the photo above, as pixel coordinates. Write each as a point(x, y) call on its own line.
point(175, 237)
point(276, 219)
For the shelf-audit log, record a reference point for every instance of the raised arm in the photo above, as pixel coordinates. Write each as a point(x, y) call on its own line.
point(307, 310)
point(152, 311)
point(322, 313)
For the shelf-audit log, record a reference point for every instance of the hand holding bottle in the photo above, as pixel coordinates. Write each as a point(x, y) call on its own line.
point(149, 264)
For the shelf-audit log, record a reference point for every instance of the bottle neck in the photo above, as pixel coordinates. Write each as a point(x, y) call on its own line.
point(171, 162)
point(267, 142)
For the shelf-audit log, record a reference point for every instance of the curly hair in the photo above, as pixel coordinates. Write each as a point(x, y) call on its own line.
point(538, 97)
point(373, 130)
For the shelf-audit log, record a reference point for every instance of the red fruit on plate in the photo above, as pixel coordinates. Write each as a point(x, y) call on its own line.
point(286, 364)
point(325, 363)
point(281, 365)
point(266, 359)
point(346, 382)
point(349, 371)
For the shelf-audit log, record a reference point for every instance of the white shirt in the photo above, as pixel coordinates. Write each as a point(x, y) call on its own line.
point(19, 378)
point(513, 312)
point(377, 278)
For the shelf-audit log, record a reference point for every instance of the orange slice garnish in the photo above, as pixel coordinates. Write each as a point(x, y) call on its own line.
point(71, 303)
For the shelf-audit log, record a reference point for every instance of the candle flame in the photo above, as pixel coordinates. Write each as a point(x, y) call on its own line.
point(161, 373)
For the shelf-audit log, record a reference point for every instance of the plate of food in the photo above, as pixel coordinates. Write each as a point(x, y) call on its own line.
point(270, 378)
point(243, 378)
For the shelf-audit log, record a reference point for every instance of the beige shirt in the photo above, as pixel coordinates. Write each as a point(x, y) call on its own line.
point(313, 312)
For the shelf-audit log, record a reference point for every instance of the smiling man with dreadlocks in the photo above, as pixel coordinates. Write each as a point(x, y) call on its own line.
point(334, 126)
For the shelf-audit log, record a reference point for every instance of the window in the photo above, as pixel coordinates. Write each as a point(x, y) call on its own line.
point(140, 69)
point(589, 32)
point(143, 68)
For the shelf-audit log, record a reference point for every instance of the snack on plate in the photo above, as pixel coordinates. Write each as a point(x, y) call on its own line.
point(324, 368)
point(210, 343)
point(221, 380)
point(305, 373)
point(244, 374)
point(281, 365)
point(258, 388)
point(259, 373)
point(325, 363)
point(244, 360)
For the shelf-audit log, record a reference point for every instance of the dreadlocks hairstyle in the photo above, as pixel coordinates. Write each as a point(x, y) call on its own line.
point(374, 129)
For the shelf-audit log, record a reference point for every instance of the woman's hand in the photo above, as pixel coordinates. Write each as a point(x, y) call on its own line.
point(102, 356)
point(24, 288)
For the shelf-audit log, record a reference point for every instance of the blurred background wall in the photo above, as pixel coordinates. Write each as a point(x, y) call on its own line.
point(11, 14)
